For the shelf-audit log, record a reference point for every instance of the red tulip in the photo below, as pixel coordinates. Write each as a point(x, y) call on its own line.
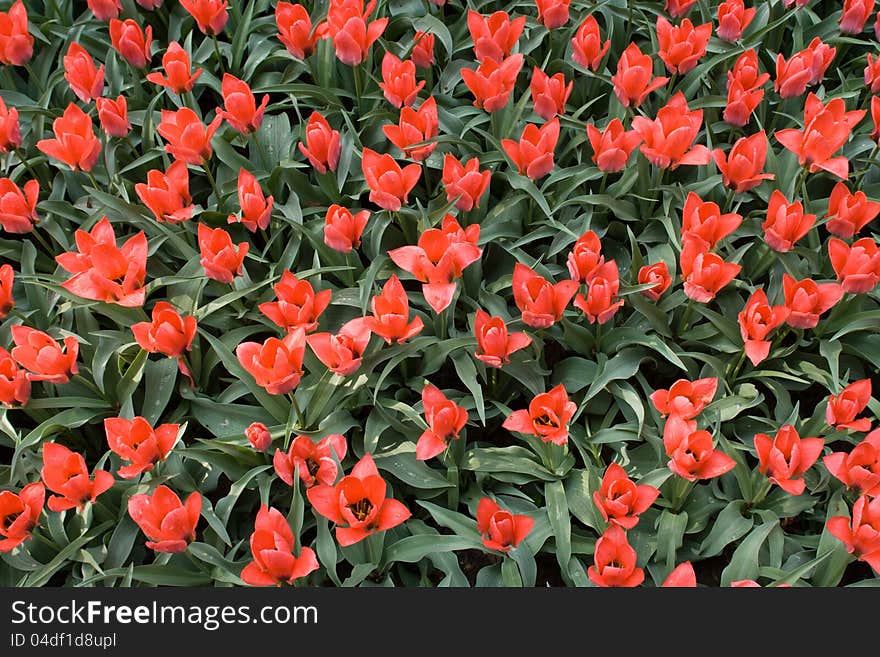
point(620, 500)
point(358, 503)
point(743, 168)
point(705, 274)
point(351, 33)
point(786, 223)
point(756, 321)
point(317, 462)
point(786, 457)
point(389, 184)
point(322, 145)
point(704, 220)
point(423, 50)
point(169, 524)
point(494, 36)
point(399, 81)
point(167, 194)
point(685, 399)
point(549, 94)
point(16, 43)
point(188, 138)
point(104, 272)
point(342, 229)
point(857, 266)
point(683, 576)
point(295, 29)
point(75, 143)
point(875, 118)
point(415, 127)
point(7, 279)
point(131, 41)
point(860, 469)
point(533, 154)
point(272, 547)
point(585, 257)
point(806, 300)
point(823, 55)
point(668, 139)
point(176, 63)
point(601, 301)
point(612, 146)
point(390, 319)
point(552, 13)
point(692, 455)
point(872, 74)
point(85, 80)
point(632, 82)
point(500, 529)
point(492, 83)
point(18, 207)
point(658, 274)
point(744, 92)
point(104, 10)
point(20, 514)
point(10, 130)
point(678, 8)
point(113, 115)
point(341, 353)
point(276, 365)
point(733, 18)
point(221, 260)
point(541, 302)
point(137, 442)
point(44, 359)
point(842, 408)
point(494, 343)
point(861, 535)
point(614, 561)
point(682, 46)
point(258, 436)
point(826, 129)
point(65, 473)
point(547, 417)
point(15, 386)
point(793, 75)
point(168, 333)
point(298, 306)
point(464, 183)
point(210, 15)
point(587, 49)
point(445, 421)
point(256, 209)
point(854, 16)
point(240, 107)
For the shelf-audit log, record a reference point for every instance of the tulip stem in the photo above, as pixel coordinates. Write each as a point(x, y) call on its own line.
point(358, 83)
point(218, 55)
point(27, 165)
point(685, 318)
point(79, 378)
point(761, 493)
point(92, 179)
point(213, 184)
point(42, 240)
point(736, 368)
point(301, 424)
point(598, 336)
point(681, 488)
point(729, 201)
point(603, 183)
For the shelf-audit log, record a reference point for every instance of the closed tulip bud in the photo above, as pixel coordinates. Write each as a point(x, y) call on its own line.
point(258, 436)
point(85, 79)
point(7, 280)
point(733, 18)
point(342, 229)
point(445, 421)
point(552, 13)
point(10, 130)
point(423, 49)
point(16, 43)
point(113, 115)
point(322, 144)
point(658, 274)
point(131, 41)
point(854, 16)
point(633, 80)
point(587, 49)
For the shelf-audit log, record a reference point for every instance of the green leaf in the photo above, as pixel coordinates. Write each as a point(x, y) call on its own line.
point(744, 562)
point(729, 526)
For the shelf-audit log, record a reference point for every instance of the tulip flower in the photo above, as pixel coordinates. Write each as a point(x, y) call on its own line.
point(861, 534)
point(20, 514)
point(499, 529)
point(399, 81)
point(18, 206)
point(743, 168)
point(678, 8)
point(872, 73)
point(541, 302)
point(276, 365)
point(169, 524)
point(857, 266)
point(668, 139)
point(239, 105)
point(351, 33)
point(104, 272)
point(859, 470)
point(823, 55)
point(875, 118)
point(256, 209)
point(704, 220)
point(85, 80)
point(533, 154)
point(692, 455)
point(188, 138)
point(587, 49)
point(137, 442)
point(16, 43)
point(422, 53)
point(341, 353)
point(549, 94)
point(390, 319)
point(342, 229)
point(733, 19)
point(704, 273)
point(601, 301)
point(415, 127)
point(322, 144)
point(585, 257)
point(464, 182)
point(258, 436)
point(552, 13)
point(794, 75)
point(295, 29)
point(807, 300)
point(786, 457)
point(492, 82)
point(358, 504)
point(682, 46)
point(75, 143)
point(389, 184)
point(10, 129)
point(210, 15)
point(105, 10)
point(445, 421)
point(612, 146)
point(494, 343)
point(620, 500)
point(786, 223)
point(685, 399)
point(683, 576)
point(297, 306)
point(44, 359)
point(494, 36)
point(854, 16)
point(167, 333)
point(658, 274)
point(756, 321)
point(176, 63)
point(131, 41)
point(744, 92)
point(317, 462)
point(632, 81)
point(272, 547)
point(7, 279)
point(15, 386)
point(65, 473)
point(614, 561)
point(220, 259)
point(843, 408)
point(113, 115)
point(167, 194)
point(547, 417)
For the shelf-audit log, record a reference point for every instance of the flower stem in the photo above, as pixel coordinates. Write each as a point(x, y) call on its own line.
point(27, 165)
point(217, 54)
point(213, 184)
point(301, 423)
